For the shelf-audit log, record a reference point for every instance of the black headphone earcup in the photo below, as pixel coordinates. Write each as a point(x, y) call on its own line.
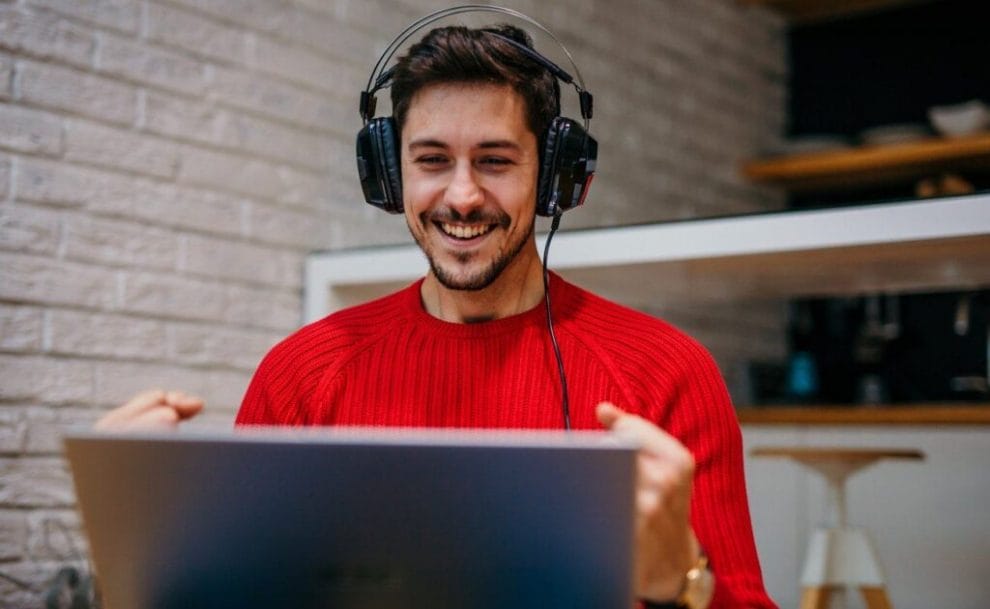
point(567, 166)
point(379, 167)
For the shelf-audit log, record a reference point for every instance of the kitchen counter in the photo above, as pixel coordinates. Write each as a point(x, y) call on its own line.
point(915, 246)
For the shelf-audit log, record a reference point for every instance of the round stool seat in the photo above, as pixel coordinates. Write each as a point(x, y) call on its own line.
point(840, 556)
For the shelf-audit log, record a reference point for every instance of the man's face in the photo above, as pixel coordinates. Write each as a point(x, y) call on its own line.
point(469, 171)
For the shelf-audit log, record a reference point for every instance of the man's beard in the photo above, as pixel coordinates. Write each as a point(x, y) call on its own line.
point(486, 276)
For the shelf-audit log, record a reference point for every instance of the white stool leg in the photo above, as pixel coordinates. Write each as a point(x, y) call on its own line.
point(839, 558)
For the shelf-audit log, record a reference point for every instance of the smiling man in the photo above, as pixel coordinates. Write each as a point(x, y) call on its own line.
point(467, 346)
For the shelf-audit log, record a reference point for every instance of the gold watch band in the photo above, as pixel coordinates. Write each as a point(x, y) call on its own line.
point(699, 585)
point(696, 591)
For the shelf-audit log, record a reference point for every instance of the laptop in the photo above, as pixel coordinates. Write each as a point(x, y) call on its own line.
point(357, 518)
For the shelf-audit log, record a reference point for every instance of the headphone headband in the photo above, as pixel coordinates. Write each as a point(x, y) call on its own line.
point(380, 77)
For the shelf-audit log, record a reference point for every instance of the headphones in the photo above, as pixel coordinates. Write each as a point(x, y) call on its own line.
point(568, 153)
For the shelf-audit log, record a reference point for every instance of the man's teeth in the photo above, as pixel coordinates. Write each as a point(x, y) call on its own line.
point(465, 232)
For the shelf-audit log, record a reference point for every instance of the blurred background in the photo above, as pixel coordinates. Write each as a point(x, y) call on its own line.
point(167, 165)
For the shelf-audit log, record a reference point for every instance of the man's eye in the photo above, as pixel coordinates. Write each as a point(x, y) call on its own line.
point(495, 161)
point(431, 160)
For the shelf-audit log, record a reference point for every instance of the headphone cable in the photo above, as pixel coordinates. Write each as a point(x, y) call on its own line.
point(565, 403)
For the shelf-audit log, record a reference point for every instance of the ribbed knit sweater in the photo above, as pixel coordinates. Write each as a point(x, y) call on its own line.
point(390, 363)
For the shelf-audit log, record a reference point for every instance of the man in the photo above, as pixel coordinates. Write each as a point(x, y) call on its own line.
point(467, 346)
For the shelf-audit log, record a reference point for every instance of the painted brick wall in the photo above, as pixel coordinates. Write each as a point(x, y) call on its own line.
point(165, 166)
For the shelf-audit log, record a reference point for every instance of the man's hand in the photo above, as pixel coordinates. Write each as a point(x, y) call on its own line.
point(666, 548)
point(154, 410)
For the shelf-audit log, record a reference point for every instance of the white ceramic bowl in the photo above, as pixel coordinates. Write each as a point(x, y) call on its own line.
point(960, 119)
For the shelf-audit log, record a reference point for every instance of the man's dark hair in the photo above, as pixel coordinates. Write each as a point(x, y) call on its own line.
point(457, 54)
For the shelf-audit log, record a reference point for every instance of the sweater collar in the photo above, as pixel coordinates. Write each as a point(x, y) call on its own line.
point(561, 295)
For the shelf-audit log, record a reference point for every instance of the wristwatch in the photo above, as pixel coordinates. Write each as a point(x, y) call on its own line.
point(697, 591)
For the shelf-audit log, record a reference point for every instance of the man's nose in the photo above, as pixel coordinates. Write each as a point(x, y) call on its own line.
point(464, 193)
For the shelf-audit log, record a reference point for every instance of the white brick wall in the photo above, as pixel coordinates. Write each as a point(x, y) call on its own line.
point(72, 92)
point(165, 165)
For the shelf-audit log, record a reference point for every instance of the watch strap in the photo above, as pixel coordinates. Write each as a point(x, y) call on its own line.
point(683, 600)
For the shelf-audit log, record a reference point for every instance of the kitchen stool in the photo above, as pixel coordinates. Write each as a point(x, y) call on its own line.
point(840, 556)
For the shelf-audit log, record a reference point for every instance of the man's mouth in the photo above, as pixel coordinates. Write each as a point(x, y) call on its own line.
point(464, 232)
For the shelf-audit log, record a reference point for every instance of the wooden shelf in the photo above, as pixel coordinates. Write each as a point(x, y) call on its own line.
point(873, 165)
point(923, 414)
point(896, 247)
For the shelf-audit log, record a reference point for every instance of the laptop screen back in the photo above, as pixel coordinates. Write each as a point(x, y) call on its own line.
point(357, 519)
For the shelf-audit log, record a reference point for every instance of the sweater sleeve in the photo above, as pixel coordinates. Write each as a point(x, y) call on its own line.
point(701, 416)
point(284, 385)
point(270, 391)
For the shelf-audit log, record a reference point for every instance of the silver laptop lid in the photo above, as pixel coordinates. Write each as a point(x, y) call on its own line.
point(357, 519)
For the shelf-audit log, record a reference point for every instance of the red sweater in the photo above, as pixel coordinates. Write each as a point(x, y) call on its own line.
point(389, 363)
